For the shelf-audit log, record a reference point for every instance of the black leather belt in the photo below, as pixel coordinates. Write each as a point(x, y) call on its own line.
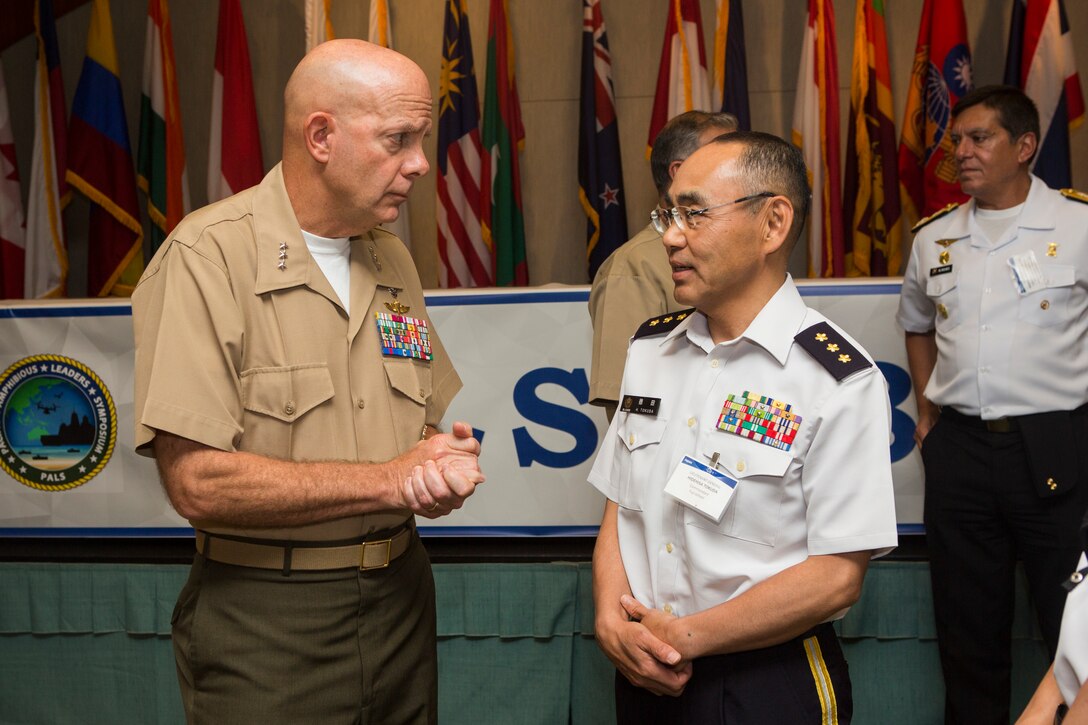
point(374, 552)
point(996, 425)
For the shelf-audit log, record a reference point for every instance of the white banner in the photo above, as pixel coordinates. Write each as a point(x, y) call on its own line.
point(67, 467)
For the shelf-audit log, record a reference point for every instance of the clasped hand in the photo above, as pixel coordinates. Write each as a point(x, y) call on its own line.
point(448, 474)
point(638, 645)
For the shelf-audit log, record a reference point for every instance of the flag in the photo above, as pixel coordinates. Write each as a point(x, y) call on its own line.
point(381, 33)
point(871, 196)
point(161, 158)
point(12, 220)
point(465, 259)
point(234, 146)
point(600, 174)
point(682, 80)
point(46, 254)
point(503, 137)
point(941, 76)
point(816, 133)
point(100, 165)
point(1040, 61)
point(731, 64)
point(318, 25)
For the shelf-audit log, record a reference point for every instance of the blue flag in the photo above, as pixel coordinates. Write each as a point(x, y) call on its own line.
point(600, 175)
point(731, 64)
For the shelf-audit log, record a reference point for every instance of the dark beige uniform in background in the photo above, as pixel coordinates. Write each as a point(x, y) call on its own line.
point(631, 286)
point(240, 355)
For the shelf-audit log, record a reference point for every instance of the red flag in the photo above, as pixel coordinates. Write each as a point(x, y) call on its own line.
point(682, 80)
point(816, 132)
point(234, 147)
point(941, 76)
point(12, 220)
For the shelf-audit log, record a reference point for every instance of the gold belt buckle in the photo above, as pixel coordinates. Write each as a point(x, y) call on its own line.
point(999, 425)
point(381, 549)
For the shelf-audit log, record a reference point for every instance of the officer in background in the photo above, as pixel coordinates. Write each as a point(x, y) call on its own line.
point(746, 470)
point(635, 282)
point(995, 310)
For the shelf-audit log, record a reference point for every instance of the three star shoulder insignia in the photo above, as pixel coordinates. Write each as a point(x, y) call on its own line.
point(830, 349)
point(1075, 195)
point(662, 323)
point(933, 217)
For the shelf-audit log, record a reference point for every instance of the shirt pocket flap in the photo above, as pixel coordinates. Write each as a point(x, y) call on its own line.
point(751, 459)
point(639, 430)
point(940, 285)
point(411, 379)
point(1059, 275)
point(286, 393)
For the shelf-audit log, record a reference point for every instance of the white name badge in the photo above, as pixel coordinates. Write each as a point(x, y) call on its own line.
point(700, 487)
point(1027, 275)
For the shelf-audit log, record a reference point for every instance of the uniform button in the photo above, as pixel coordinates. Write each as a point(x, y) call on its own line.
point(668, 548)
point(985, 328)
point(422, 394)
point(289, 409)
point(713, 363)
point(987, 290)
point(631, 439)
point(942, 311)
point(1044, 305)
point(668, 609)
point(361, 403)
point(741, 466)
point(691, 422)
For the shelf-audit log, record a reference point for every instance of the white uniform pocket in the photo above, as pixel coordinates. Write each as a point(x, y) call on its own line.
point(640, 436)
point(1047, 306)
point(943, 292)
point(753, 514)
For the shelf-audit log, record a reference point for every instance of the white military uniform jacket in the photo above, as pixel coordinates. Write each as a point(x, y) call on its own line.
point(1001, 353)
point(828, 491)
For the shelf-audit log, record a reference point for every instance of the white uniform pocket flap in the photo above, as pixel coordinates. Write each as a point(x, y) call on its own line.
point(940, 285)
point(640, 430)
point(1059, 275)
point(749, 458)
point(286, 393)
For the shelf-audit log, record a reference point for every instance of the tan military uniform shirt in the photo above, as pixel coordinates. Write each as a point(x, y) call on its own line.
point(242, 345)
point(633, 285)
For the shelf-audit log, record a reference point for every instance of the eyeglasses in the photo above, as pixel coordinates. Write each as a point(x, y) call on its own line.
point(687, 218)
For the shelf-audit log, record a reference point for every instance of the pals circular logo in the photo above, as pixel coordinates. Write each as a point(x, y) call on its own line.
point(58, 426)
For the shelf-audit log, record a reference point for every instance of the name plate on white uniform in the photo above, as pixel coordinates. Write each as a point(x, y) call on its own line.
point(700, 487)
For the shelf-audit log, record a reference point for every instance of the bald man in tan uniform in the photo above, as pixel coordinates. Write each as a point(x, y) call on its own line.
point(288, 380)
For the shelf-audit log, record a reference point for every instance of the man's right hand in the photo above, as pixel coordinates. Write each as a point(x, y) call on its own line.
point(642, 658)
point(446, 472)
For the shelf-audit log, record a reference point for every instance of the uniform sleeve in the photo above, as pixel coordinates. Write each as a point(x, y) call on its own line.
point(601, 476)
point(916, 311)
point(621, 299)
point(847, 474)
point(189, 336)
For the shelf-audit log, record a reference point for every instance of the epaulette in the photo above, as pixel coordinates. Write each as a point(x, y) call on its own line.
point(933, 217)
point(1075, 195)
point(662, 323)
point(830, 349)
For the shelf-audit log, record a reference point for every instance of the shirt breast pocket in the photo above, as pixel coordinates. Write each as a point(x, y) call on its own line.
point(943, 292)
point(1049, 306)
point(754, 511)
point(640, 438)
point(275, 399)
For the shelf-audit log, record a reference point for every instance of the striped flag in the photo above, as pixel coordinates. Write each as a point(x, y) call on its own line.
point(234, 145)
point(682, 80)
point(318, 24)
point(12, 219)
point(503, 137)
point(1040, 61)
point(381, 33)
point(100, 165)
point(600, 174)
point(731, 64)
point(161, 159)
point(46, 253)
point(872, 212)
point(941, 76)
point(465, 260)
point(816, 133)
